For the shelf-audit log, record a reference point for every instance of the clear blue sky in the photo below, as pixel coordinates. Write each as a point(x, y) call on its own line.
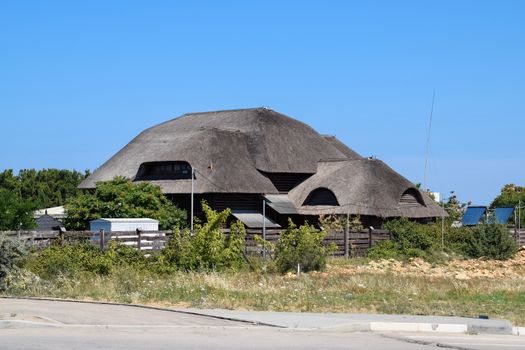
point(78, 80)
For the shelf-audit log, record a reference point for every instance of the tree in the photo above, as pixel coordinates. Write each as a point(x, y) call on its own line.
point(492, 241)
point(510, 196)
point(454, 207)
point(15, 213)
point(45, 188)
point(121, 198)
point(9, 181)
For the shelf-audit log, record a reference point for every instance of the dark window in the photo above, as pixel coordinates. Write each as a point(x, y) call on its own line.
point(411, 198)
point(321, 196)
point(164, 171)
point(285, 182)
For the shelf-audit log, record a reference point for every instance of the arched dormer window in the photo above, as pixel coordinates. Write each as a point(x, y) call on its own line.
point(411, 198)
point(171, 170)
point(321, 196)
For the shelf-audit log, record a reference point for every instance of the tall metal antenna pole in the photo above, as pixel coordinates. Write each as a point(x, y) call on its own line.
point(192, 192)
point(428, 142)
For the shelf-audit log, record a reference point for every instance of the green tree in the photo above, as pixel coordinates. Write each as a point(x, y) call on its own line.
point(492, 241)
point(45, 188)
point(15, 213)
point(121, 198)
point(510, 196)
point(9, 182)
point(454, 207)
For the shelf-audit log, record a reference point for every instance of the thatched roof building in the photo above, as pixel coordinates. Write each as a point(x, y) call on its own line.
point(241, 156)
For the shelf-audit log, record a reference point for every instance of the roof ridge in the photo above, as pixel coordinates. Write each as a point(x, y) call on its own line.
point(227, 110)
point(328, 160)
point(206, 112)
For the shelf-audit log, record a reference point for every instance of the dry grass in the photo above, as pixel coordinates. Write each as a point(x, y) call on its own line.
point(346, 286)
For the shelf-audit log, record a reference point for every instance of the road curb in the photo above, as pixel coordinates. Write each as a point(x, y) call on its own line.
point(418, 327)
point(143, 307)
point(352, 326)
point(520, 331)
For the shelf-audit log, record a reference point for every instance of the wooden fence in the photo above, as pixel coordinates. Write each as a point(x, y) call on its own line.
point(519, 235)
point(358, 242)
point(144, 240)
point(42, 239)
point(357, 246)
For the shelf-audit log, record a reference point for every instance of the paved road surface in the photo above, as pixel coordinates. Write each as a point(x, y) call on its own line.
point(67, 325)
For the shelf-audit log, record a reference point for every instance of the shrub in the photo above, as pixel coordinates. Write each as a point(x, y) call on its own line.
point(411, 236)
point(69, 260)
point(492, 241)
point(119, 254)
point(411, 239)
point(12, 253)
point(73, 258)
point(208, 248)
point(301, 245)
point(385, 250)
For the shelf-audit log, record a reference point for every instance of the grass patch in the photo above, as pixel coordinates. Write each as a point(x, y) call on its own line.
point(346, 286)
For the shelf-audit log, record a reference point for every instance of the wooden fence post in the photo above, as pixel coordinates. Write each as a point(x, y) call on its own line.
point(370, 237)
point(138, 239)
point(61, 237)
point(346, 236)
point(101, 238)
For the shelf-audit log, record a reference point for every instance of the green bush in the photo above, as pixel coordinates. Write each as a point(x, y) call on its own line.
point(208, 248)
point(492, 241)
point(414, 239)
point(301, 245)
point(119, 254)
point(12, 252)
point(69, 260)
point(411, 239)
point(74, 258)
point(385, 250)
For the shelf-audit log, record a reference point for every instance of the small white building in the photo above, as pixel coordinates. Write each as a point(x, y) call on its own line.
point(127, 224)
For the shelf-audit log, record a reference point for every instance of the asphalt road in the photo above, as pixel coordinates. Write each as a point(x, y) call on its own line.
point(30, 324)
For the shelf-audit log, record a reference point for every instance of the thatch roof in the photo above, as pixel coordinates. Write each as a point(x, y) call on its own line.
point(234, 151)
point(363, 186)
point(229, 148)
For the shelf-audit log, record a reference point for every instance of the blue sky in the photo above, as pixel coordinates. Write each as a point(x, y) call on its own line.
point(78, 80)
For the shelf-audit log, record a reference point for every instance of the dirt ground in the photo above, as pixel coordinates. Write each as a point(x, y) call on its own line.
point(458, 269)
